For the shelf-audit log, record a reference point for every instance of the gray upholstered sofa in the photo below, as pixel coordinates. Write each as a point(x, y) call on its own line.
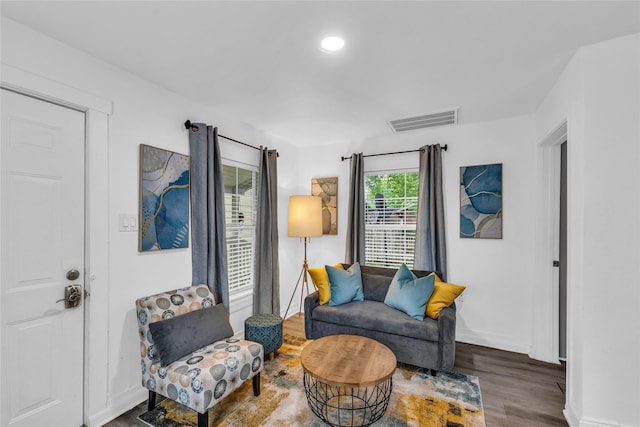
point(429, 344)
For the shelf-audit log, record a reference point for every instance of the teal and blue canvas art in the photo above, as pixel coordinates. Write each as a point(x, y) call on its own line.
point(164, 199)
point(481, 202)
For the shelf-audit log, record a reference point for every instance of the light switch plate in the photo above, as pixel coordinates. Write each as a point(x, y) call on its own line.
point(127, 222)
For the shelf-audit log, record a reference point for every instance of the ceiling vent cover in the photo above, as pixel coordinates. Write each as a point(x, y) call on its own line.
point(448, 117)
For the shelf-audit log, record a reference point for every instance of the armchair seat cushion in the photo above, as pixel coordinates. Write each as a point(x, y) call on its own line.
point(205, 376)
point(375, 316)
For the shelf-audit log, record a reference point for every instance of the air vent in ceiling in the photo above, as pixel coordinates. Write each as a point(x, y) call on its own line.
point(448, 117)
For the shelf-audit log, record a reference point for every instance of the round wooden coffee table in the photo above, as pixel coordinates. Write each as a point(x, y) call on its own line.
point(348, 379)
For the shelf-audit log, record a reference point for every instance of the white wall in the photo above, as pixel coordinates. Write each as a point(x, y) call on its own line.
point(599, 97)
point(142, 114)
point(497, 305)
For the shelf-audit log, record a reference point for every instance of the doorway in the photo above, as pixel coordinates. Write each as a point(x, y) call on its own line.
point(562, 270)
point(42, 229)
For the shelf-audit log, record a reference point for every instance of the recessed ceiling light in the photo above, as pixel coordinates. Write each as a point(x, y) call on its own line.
point(332, 44)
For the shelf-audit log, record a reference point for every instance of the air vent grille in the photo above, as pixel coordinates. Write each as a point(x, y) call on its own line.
point(448, 117)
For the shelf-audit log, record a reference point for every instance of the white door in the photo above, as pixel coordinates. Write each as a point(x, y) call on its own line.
point(42, 239)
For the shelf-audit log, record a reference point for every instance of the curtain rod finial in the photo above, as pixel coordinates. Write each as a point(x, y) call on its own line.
point(445, 147)
point(190, 126)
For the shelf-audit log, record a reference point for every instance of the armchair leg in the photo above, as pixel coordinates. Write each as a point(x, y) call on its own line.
point(203, 419)
point(152, 400)
point(256, 384)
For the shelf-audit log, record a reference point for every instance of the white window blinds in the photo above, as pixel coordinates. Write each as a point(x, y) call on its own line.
point(240, 197)
point(390, 218)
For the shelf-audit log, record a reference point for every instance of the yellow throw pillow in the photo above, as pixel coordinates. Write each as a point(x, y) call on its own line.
point(320, 279)
point(442, 296)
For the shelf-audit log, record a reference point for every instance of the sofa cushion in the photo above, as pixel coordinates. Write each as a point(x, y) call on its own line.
point(376, 280)
point(179, 336)
point(379, 317)
point(346, 285)
point(375, 286)
point(389, 272)
point(408, 293)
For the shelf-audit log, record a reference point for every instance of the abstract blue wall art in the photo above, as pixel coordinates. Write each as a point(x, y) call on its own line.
point(481, 202)
point(164, 199)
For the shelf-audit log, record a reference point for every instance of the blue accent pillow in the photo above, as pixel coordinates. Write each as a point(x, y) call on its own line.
point(346, 285)
point(408, 293)
point(181, 335)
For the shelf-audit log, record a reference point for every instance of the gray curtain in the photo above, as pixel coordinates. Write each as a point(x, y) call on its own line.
point(266, 293)
point(208, 236)
point(430, 253)
point(354, 251)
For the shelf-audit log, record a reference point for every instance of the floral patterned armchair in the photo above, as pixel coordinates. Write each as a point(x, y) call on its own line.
point(203, 377)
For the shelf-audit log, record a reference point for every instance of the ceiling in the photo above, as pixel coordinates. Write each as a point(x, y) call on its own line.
point(260, 62)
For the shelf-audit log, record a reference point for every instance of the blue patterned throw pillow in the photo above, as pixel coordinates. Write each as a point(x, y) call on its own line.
point(408, 293)
point(346, 285)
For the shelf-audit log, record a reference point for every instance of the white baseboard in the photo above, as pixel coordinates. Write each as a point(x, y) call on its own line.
point(570, 416)
point(586, 422)
point(118, 406)
point(487, 339)
point(574, 421)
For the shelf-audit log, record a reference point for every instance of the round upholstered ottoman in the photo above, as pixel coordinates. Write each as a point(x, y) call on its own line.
point(265, 329)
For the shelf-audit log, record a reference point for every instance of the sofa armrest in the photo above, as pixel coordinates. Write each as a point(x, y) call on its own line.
point(447, 337)
point(310, 303)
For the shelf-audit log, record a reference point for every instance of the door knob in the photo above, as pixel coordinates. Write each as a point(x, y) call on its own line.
point(72, 296)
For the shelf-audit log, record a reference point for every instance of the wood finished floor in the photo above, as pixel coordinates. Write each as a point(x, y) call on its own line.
point(516, 391)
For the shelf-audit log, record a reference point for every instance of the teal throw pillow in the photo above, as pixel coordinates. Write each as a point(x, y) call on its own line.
point(408, 293)
point(346, 285)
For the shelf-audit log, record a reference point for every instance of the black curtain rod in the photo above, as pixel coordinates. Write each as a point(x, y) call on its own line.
point(444, 148)
point(189, 125)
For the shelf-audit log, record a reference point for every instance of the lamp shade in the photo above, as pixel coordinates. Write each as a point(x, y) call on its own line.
point(305, 216)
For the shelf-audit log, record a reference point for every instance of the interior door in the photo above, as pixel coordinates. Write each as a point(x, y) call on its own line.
point(42, 244)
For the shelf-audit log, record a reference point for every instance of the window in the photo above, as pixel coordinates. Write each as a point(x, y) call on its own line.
point(240, 203)
point(390, 218)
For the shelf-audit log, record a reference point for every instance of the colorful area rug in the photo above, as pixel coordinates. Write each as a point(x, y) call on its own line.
point(417, 399)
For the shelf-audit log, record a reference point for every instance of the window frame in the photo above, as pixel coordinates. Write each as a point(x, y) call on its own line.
point(230, 227)
point(408, 256)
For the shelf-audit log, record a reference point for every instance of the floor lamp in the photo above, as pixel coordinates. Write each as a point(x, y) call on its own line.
point(305, 221)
